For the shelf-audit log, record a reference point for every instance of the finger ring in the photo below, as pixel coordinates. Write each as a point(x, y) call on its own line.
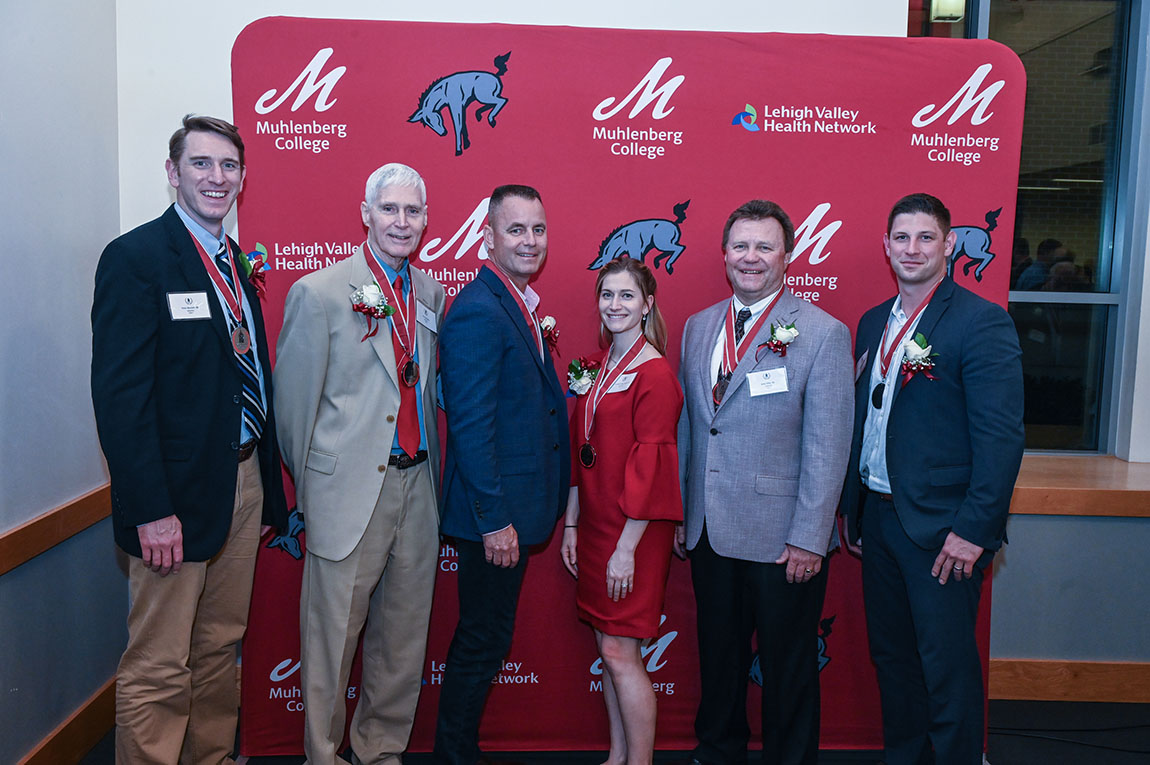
point(809, 571)
point(957, 566)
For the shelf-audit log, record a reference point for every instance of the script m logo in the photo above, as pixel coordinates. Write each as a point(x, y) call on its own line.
point(310, 83)
point(964, 99)
point(648, 90)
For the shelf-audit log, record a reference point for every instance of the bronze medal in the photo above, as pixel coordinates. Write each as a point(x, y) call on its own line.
point(241, 340)
point(876, 395)
point(587, 455)
point(410, 374)
point(720, 389)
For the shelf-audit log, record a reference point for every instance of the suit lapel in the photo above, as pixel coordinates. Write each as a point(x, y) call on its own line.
point(930, 316)
point(188, 261)
point(381, 340)
point(515, 314)
point(781, 312)
point(712, 320)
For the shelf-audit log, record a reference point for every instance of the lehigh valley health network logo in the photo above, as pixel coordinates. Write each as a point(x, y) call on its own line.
point(747, 119)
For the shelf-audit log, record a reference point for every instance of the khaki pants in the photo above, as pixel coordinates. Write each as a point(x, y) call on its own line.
point(176, 698)
point(387, 583)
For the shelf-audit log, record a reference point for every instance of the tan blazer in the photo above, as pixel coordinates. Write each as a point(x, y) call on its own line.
point(336, 398)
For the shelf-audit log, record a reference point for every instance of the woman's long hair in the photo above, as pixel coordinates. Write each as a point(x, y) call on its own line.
point(654, 328)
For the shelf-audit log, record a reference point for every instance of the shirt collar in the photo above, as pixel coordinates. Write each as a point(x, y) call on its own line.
point(530, 297)
point(210, 242)
point(387, 269)
point(758, 306)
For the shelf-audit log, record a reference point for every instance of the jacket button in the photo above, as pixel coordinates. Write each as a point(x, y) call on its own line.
point(235, 399)
point(714, 431)
point(382, 468)
point(552, 410)
point(391, 418)
point(555, 447)
point(235, 446)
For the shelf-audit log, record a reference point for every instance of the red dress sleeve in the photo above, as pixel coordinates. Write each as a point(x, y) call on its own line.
point(651, 476)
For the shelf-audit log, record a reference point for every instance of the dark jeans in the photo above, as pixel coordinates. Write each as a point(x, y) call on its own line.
point(488, 596)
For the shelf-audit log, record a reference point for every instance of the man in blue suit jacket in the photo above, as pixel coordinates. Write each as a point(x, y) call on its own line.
point(189, 436)
point(938, 442)
point(507, 468)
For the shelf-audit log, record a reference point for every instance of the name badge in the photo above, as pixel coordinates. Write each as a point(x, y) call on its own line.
point(189, 305)
point(622, 383)
point(860, 365)
point(767, 382)
point(425, 316)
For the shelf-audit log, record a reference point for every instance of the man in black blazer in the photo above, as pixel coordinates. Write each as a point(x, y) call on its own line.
point(938, 442)
point(182, 392)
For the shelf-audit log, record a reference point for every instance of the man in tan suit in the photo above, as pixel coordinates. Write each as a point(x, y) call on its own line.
point(356, 384)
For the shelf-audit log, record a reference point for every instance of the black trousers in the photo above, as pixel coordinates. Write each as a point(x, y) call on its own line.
point(735, 599)
point(488, 597)
point(923, 646)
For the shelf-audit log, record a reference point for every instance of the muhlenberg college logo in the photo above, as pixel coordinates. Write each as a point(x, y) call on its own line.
point(635, 239)
point(456, 92)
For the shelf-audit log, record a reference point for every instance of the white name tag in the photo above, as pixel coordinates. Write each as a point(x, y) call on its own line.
point(189, 305)
point(425, 316)
point(622, 383)
point(860, 365)
point(767, 381)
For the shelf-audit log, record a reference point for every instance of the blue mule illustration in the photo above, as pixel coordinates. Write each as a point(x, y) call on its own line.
point(974, 243)
point(637, 238)
point(458, 91)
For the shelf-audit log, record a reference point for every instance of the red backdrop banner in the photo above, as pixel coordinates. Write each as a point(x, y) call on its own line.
point(641, 143)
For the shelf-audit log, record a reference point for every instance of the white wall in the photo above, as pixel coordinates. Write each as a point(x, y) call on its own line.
point(58, 207)
point(161, 78)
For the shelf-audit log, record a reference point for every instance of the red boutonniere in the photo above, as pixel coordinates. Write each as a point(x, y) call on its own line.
point(255, 263)
point(550, 333)
point(917, 358)
point(370, 301)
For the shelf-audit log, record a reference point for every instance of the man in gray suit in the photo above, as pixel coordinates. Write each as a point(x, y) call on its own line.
point(763, 445)
point(356, 380)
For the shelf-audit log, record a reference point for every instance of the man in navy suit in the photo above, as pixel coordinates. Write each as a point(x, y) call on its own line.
point(507, 468)
point(938, 442)
point(182, 392)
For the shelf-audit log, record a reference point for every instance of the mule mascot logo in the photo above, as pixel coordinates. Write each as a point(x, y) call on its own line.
point(974, 243)
point(637, 238)
point(458, 91)
point(289, 542)
point(756, 672)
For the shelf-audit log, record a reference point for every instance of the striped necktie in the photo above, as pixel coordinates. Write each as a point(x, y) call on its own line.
point(254, 414)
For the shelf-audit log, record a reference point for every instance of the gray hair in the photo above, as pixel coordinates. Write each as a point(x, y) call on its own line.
point(392, 174)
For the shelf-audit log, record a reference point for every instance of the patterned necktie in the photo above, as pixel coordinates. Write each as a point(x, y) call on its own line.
point(741, 319)
point(253, 410)
point(408, 415)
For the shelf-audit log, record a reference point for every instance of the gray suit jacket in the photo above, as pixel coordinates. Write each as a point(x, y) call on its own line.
point(336, 397)
point(766, 471)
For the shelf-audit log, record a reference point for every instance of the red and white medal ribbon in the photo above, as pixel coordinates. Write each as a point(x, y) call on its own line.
point(528, 316)
point(885, 358)
point(401, 319)
point(604, 380)
point(232, 299)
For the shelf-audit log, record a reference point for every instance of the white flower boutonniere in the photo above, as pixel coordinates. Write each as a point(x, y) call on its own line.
point(372, 303)
point(917, 358)
point(581, 374)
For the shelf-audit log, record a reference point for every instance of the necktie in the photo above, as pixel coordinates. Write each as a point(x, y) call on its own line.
point(254, 415)
point(408, 416)
point(741, 319)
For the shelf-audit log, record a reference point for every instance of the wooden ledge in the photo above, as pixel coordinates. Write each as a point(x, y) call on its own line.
point(1082, 485)
point(26, 541)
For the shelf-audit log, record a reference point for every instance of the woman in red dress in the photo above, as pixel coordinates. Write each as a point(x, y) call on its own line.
point(624, 501)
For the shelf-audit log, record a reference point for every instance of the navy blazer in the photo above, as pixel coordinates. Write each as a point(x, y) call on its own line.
point(954, 444)
point(508, 456)
point(167, 393)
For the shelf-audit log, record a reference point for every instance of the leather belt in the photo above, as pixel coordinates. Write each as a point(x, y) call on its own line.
point(247, 448)
point(879, 494)
point(403, 462)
